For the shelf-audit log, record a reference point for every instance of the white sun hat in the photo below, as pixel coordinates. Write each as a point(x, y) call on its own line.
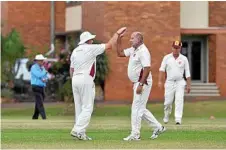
point(39, 57)
point(85, 36)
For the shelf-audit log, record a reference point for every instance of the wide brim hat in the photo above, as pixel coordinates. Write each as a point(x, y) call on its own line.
point(40, 57)
point(85, 36)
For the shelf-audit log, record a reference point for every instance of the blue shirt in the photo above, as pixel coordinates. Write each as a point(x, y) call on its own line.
point(37, 75)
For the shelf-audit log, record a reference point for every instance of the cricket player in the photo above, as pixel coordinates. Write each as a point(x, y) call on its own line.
point(174, 65)
point(140, 75)
point(82, 71)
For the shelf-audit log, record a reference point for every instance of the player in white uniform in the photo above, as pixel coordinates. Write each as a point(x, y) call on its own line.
point(174, 65)
point(140, 75)
point(82, 71)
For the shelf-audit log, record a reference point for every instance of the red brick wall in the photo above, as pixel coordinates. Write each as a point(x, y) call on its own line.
point(60, 7)
point(221, 63)
point(32, 20)
point(158, 21)
point(217, 11)
point(4, 17)
point(217, 18)
point(93, 18)
point(212, 58)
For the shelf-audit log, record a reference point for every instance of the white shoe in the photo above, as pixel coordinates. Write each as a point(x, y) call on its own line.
point(132, 137)
point(166, 119)
point(80, 136)
point(157, 132)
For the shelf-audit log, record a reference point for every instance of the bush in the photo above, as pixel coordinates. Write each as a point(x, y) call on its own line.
point(12, 49)
point(7, 93)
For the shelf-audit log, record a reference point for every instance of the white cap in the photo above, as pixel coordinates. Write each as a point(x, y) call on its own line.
point(85, 36)
point(39, 57)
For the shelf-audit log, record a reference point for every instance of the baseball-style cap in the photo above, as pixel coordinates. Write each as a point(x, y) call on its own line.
point(177, 44)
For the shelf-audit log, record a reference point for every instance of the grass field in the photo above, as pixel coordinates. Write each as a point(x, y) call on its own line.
point(110, 124)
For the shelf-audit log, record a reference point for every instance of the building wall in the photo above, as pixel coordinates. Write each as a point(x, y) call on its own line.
point(158, 21)
point(73, 18)
point(212, 57)
point(194, 14)
point(221, 63)
point(60, 18)
point(4, 17)
point(93, 18)
point(217, 14)
point(32, 20)
point(217, 18)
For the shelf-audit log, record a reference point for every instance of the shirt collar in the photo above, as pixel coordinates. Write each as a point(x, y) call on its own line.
point(178, 56)
point(141, 46)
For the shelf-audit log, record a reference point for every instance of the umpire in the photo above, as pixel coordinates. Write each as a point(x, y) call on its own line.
point(38, 83)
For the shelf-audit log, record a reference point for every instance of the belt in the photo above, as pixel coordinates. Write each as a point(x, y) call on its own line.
point(175, 80)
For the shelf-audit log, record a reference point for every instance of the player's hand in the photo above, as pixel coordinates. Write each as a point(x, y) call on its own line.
point(52, 76)
point(44, 80)
point(121, 31)
point(139, 89)
point(188, 88)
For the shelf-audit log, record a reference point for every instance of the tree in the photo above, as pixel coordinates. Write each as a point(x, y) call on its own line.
point(12, 48)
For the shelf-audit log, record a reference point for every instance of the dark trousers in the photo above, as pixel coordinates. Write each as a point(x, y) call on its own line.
point(39, 98)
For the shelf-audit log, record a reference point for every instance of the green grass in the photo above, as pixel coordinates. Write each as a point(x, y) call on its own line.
point(59, 138)
point(191, 109)
point(109, 124)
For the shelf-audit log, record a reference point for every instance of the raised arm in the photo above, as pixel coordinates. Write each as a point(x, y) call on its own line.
point(120, 51)
point(110, 44)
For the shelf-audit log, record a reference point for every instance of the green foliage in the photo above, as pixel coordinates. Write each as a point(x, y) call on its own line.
point(12, 49)
point(66, 92)
point(6, 93)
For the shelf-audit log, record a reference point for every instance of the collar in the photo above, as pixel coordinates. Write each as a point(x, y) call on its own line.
point(177, 57)
point(84, 44)
point(140, 47)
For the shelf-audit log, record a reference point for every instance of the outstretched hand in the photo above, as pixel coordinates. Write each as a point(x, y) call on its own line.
point(121, 31)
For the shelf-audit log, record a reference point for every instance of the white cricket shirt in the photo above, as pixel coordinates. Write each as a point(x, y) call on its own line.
point(175, 67)
point(83, 58)
point(139, 58)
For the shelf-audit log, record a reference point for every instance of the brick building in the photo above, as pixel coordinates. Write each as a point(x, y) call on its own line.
point(200, 25)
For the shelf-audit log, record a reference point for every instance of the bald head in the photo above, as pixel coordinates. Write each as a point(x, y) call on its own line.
point(136, 39)
point(139, 36)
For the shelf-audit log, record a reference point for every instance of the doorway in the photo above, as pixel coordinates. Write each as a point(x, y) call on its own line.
point(195, 49)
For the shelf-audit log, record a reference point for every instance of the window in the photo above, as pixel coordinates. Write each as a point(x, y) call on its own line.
point(73, 3)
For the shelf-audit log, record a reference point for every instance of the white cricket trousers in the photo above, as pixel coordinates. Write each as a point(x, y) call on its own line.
point(174, 89)
point(84, 93)
point(139, 110)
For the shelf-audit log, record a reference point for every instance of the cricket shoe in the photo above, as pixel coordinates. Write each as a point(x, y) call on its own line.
point(157, 132)
point(166, 119)
point(132, 137)
point(80, 136)
point(178, 123)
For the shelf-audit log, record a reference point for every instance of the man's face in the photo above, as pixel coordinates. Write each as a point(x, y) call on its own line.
point(176, 50)
point(134, 40)
point(90, 41)
point(40, 62)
